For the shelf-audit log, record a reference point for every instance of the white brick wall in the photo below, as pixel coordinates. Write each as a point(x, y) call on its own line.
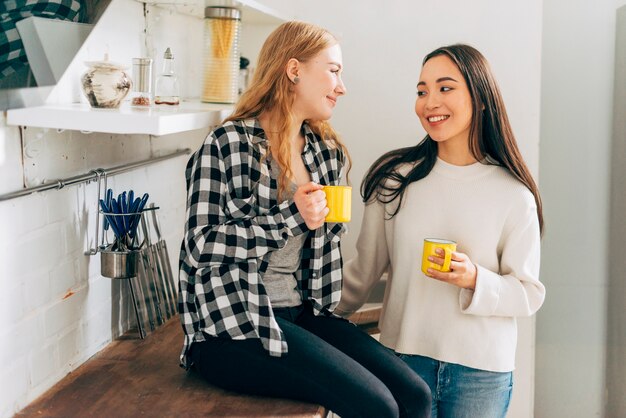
point(14, 384)
point(56, 310)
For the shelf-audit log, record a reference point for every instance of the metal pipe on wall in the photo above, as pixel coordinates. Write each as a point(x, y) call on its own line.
point(91, 176)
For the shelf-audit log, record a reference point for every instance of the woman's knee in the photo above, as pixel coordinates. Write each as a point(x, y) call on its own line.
point(423, 402)
point(386, 406)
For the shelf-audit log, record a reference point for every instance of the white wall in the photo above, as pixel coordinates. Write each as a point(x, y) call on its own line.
point(616, 314)
point(576, 122)
point(383, 45)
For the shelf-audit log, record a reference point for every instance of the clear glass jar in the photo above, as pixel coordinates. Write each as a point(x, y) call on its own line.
point(141, 95)
point(221, 54)
point(166, 91)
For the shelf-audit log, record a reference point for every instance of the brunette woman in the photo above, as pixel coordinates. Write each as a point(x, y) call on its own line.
point(467, 182)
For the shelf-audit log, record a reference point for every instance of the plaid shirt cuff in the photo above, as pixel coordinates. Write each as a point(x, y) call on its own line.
point(293, 220)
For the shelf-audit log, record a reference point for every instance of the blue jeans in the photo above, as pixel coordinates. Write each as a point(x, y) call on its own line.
point(463, 392)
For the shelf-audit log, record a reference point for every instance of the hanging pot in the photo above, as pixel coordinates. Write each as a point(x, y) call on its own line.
point(119, 264)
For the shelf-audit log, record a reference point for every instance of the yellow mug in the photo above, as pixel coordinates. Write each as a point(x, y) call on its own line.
point(339, 201)
point(430, 245)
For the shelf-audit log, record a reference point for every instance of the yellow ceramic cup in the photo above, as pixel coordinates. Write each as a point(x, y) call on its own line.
point(339, 201)
point(430, 245)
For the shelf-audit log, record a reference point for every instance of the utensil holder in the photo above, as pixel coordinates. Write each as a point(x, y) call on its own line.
point(119, 264)
point(126, 242)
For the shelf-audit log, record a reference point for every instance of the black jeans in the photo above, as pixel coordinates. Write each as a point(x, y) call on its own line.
point(330, 362)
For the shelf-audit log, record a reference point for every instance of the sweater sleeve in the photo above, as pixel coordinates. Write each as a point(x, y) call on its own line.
point(361, 273)
point(516, 289)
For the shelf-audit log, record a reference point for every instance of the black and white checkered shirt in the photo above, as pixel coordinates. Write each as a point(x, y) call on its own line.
point(234, 222)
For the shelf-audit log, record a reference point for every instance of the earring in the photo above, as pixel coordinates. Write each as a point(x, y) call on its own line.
point(296, 80)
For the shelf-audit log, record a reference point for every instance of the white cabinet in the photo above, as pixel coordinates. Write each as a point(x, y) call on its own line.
point(129, 29)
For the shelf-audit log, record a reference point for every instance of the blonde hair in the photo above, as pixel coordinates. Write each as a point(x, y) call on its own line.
point(271, 89)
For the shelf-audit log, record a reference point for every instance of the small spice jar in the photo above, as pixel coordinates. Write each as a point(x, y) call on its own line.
point(221, 54)
point(142, 82)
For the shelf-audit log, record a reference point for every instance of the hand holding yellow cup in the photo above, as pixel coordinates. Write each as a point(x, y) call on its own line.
point(430, 245)
point(339, 201)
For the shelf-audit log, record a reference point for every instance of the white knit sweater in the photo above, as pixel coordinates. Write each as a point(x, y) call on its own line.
point(493, 218)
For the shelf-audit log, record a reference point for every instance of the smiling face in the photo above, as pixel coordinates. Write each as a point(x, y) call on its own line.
point(319, 84)
point(444, 104)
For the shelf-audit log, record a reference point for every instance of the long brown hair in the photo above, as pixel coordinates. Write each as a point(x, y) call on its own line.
point(490, 136)
point(271, 89)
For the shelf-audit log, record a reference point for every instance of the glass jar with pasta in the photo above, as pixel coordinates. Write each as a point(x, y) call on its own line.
point(221, 54)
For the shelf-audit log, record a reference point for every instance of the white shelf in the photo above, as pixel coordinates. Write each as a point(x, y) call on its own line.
point(252, 11)
point(125, 120)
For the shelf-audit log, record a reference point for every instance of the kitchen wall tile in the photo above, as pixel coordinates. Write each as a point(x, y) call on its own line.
point(21, 219)
point(64, 314)
point(14, 386)
point(19, 338)
point(62, 278)
point(69, 348)
point(10, 311)
point(43, 363)
point(36, 292)
point(40, 247)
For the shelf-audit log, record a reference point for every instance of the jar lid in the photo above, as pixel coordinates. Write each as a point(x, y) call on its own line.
point(142, 61)
point(220, 12)
point(105, 63)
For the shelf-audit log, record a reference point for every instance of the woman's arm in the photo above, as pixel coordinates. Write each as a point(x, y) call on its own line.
point(224, 227)
point(516, 291)
point(361, 273)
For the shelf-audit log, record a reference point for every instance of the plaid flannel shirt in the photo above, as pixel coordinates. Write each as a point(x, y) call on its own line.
point(234, 222)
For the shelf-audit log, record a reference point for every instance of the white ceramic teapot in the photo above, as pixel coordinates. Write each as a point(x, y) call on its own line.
point(105, 83)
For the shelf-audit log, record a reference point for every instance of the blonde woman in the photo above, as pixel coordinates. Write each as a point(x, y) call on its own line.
point(260, 270)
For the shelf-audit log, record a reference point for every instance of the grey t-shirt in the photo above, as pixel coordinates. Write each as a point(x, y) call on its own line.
point(279, 280)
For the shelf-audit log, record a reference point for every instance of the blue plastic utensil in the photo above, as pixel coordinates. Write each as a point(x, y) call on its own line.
point(119, 223)
point(110, 218)
point(136, 218)
point(107, 201)
point(129, 208)
point(131, 200)
point(134, 222)
point(124, 209)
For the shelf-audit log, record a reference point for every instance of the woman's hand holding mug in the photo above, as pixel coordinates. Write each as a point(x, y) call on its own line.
point(441, 261)
point(310, 200)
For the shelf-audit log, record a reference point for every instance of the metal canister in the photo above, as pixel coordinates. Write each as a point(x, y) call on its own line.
point(119, 264)
point(142, 82)
point(221, 54)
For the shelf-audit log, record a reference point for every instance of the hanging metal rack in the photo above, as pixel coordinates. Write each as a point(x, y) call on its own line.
point(93, 175)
